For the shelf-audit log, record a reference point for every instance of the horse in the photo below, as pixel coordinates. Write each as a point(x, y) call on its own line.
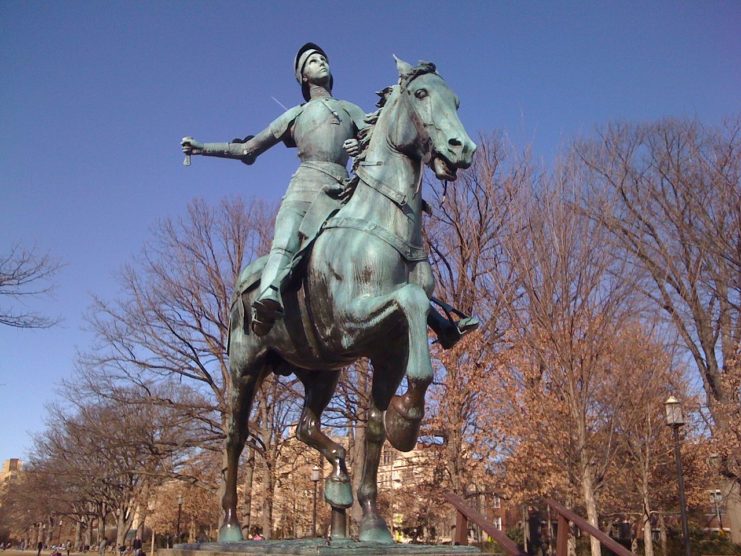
point(364, 292)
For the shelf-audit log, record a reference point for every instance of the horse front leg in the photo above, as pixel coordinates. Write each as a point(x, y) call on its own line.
point(404, 414)
point(406, 307)
point(388, 371)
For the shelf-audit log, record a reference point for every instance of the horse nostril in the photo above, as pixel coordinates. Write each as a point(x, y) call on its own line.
point(454, 142)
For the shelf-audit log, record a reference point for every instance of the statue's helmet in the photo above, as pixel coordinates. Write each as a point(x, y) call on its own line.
point(300, 60)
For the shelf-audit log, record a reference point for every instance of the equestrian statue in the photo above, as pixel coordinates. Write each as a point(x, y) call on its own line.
point(347, 276)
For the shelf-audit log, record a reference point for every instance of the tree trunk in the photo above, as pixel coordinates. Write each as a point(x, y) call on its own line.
point(591, 506)
point(732, 492)
point(662, 534)
point(121, 529)
point(101, 527)
point(78, 535)
point(267, 502)
point(648, 543)
point(49, 532)
point(571, 546)
point(88, 536)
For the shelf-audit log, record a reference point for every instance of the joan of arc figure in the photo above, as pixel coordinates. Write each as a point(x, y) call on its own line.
point(324, 131)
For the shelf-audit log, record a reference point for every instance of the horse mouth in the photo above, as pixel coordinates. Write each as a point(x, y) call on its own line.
point(443, 169)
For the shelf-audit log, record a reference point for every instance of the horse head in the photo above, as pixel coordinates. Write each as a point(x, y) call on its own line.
point(437, 137)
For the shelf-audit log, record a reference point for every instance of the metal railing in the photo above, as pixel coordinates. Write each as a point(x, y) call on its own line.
point(564, 530)
point(464, 514)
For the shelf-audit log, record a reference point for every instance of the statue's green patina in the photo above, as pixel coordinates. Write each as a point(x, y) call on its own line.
point(365, 285)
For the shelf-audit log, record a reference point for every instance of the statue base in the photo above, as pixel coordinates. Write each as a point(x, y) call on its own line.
point(337, 547)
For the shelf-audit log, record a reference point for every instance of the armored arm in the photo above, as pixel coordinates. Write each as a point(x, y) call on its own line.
point(246, 150)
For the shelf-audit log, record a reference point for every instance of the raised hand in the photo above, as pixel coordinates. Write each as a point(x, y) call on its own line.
point(191, 146)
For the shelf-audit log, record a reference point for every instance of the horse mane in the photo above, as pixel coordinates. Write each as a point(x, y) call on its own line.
point(365, 134)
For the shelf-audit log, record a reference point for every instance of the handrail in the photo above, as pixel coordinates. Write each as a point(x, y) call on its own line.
point(565, 515)
point(464, 514)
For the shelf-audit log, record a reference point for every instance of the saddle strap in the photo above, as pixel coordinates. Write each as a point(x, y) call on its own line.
point(410, 252)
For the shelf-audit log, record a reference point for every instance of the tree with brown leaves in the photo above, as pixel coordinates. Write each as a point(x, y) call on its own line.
point(669, 193)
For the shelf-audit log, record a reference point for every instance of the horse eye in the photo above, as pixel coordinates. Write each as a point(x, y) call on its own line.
point(420, 93)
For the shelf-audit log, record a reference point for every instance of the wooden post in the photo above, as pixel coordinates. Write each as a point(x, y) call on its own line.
point(562, 537)
point(461, 528)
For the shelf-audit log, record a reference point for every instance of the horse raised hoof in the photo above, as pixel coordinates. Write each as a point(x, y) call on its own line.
point(373, 529)
point(338, 492)
point(402, 425)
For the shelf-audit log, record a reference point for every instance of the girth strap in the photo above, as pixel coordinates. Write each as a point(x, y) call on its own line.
point(409, 252)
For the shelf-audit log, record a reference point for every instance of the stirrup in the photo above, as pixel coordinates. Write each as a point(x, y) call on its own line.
point(266, 310)
point(456, 329)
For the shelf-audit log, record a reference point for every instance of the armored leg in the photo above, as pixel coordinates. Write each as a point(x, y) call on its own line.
point(268, 307)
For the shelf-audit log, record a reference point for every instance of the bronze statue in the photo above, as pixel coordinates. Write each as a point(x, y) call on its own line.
point(364, 285)
point(323, 129)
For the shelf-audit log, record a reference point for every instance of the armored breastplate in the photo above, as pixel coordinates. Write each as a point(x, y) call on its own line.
point(321, 129)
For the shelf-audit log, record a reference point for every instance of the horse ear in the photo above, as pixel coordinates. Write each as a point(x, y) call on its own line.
point(404, 68)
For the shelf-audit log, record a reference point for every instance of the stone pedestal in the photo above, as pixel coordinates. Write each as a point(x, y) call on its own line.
point(337, 547)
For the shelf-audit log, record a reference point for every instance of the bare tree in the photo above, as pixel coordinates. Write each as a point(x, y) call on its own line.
point(671, 199)
point(24, 274)
point(469, 219)
point(168, 334)
point(643, 480)
point(573, 300)
point(172, 320)
point(463, 428)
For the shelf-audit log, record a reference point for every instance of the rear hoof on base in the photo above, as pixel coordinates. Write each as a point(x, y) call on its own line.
point(402, 427)
point(230, 532)
point(338, 492)
point(373, 529)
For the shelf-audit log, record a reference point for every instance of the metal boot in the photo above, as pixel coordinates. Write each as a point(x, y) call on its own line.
point(268, 307)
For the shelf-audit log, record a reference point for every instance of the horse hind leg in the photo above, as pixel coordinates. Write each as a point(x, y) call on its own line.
point(319, 386)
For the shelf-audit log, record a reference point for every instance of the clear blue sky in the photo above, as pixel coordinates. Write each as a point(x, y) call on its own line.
point(95, 96)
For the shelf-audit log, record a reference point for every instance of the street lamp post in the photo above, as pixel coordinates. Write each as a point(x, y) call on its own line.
point(316, 475)
point(180, 510)
point(675, 419)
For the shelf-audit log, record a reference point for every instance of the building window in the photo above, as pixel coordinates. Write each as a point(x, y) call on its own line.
point(388, 457)
point(496, 502)
point(498, 523)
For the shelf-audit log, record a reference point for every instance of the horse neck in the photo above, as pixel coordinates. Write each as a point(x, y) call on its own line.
point(385, 163)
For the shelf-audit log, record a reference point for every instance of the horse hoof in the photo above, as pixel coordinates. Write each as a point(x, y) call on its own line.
point(338, 492)
point(402, 427)
point(373, 529)
point(230, 532)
